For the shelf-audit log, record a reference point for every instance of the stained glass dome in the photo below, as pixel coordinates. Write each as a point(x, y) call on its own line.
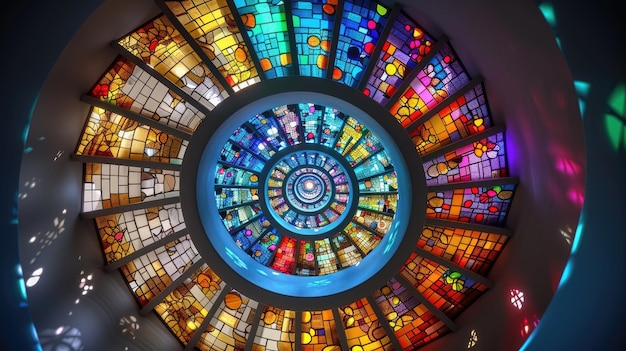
point(280, 175)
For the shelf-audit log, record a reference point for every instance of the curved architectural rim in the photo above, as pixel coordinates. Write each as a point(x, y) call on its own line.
point(243, 272)
point(311, 234)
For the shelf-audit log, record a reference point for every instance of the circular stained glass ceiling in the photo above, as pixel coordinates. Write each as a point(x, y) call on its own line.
point(252, 180)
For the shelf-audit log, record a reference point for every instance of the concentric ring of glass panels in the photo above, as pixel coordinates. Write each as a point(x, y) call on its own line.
point(303, 171)
point(308, 190)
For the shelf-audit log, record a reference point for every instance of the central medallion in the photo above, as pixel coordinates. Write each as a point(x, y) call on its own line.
point(308, 189)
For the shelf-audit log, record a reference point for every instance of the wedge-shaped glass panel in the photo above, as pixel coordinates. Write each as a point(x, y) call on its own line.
point(246, 137)
point(362, 24)
point(162, 47)
point(387, 182)
point(479, 204)
point(108, 134)
point(236, 217)
point(276, 331)
point(448, 290)
point(332, 124)
point(481, 159)
point(229, 197)
point(412, 322)
point(266, 23)
point(364, 148)
point(313, 23)
point(264, 249)
point(471, 249)
point(285, 258)
point(375, 165)
point(230, 325)
point(405, 47)
point(347, 254)
point(267, 127)
point(185, 308)
point(109, 185)
point(375, 221)
point(386, 203)
point(127, 86)
point(237, 156)
point(365, 240)
point(226, 175)
point(251, 232)
point(306, 259)
point(311, 116)
point(326, 258)
point(319, 331)
point(289, 121)
point(149, 274)
point(467, 115)
point(363, 327)
point(213, 26)
point(121, 234)
point(442, 77)
point(349, 136)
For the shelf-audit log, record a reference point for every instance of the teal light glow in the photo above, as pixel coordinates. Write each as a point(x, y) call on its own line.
point(582, 89)
point(548, 13)
point(20, 282)
point(579, 234)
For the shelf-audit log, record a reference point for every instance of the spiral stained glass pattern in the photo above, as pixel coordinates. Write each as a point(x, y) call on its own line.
point(295, 189)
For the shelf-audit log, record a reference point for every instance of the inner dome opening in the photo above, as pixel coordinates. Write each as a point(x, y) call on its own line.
point(272, 185)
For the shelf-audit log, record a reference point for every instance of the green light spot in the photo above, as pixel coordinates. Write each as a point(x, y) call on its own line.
point(614, 128)
point(558, 43)
point(582, 88)
point(548, 13)
point(581, 106)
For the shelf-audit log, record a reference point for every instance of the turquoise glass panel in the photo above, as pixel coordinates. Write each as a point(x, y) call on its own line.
point(237, 156)
point(268, 128)
point(313, 23)
point(247, 138)
point(311, 116)
point(331, 127)
point(266, 24)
